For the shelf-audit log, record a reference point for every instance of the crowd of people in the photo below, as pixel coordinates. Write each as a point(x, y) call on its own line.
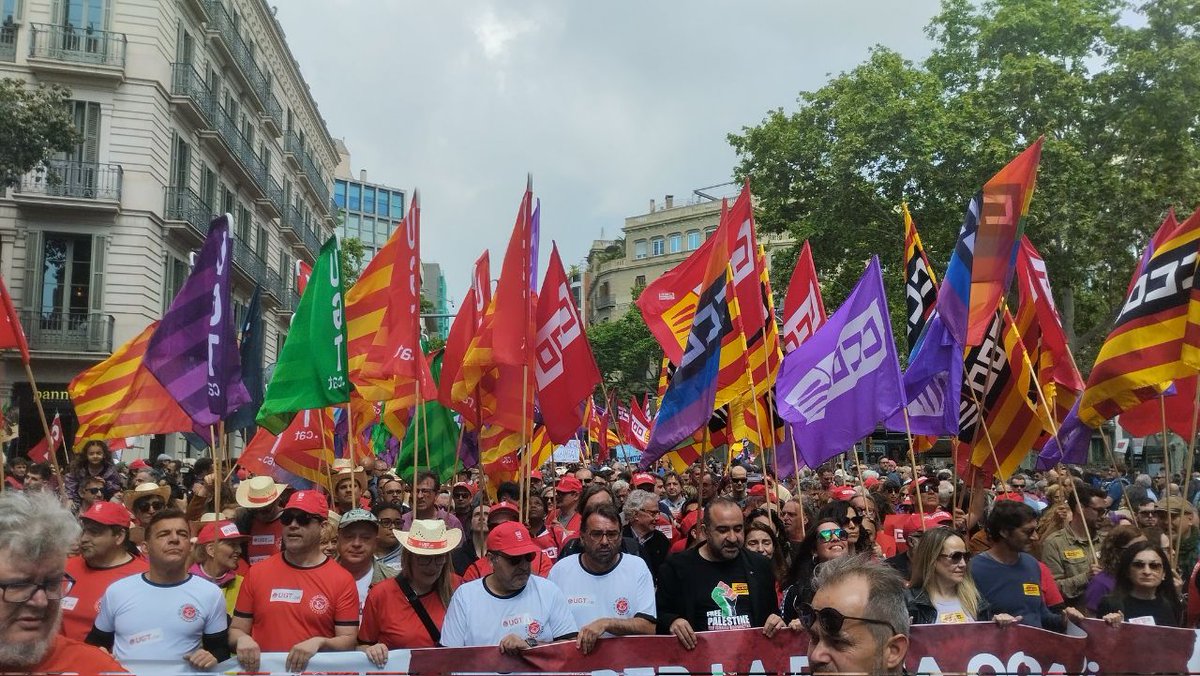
point(116, 562)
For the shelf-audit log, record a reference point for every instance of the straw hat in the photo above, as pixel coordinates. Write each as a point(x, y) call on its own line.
point(146, 490)
point(258, 492)
point(429, 537)
point(343, 469)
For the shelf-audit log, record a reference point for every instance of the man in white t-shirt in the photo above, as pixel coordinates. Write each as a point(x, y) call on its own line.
point(165, 613)
point(508, 607)
point(609, 593)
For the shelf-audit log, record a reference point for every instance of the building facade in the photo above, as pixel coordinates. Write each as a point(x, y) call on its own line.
point(187, 109)
point(652, 244)
point(368, 211)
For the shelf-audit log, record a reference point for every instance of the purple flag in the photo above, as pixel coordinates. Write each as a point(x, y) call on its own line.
point(1070, 445)
point(840, 383)
point(933, 382)
point(194, 350)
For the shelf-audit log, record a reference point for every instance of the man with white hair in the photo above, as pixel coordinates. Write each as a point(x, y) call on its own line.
point(36, 532)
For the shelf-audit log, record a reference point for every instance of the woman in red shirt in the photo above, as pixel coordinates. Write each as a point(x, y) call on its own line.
point(408, 612)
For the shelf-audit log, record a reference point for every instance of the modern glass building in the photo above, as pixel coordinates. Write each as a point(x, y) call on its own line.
point(369, 212)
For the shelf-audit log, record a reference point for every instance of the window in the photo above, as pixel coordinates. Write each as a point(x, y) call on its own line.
point(382, 206)
point(86, 15)
point(181, 164)
point(355, 200)
point(87, 122)
point(368, 199)
point(675, 242)
point(339, 194)
point(367, 230)
point(243, 224)
point(68, 287)
point(639, 282)
point(656, 246)
point(227, 202)
point(397, 206)
point(208, 187)
point(639, 249)
point(177, 272)
point(383, 229)
point(352, 225)
point(708, 232)
point(693, 240)
point(8, 12)
point(260, 246)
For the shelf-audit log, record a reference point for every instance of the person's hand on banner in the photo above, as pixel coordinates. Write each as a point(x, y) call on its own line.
point(302, 652)
point(1073, 615)
point(513, 645)
point(682, 630)
point(378, 653)
point(1114, 619)
point(201, 659)
point(773, 624)
point(1005, 620)
point(248, 653)
point(589, 634)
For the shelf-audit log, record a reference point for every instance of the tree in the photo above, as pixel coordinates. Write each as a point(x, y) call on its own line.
point(37, 123)
point(1116, 101)
point(353, 257)
point(627, 355)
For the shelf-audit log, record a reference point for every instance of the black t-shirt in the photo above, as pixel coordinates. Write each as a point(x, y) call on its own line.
point(716, 594)
point(1158, 608)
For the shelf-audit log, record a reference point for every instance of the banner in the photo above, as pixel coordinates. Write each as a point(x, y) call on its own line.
point(981, 647)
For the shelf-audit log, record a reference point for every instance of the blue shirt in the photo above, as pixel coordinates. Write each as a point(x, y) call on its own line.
point(1014, 589)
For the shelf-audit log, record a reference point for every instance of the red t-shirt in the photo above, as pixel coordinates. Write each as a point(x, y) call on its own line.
point(266, 540)
point(551, 540)
point(289, 604)
point(389, 618)
point(483, 567)
point(69, 655)
point(80, 607)
point(1050, 591)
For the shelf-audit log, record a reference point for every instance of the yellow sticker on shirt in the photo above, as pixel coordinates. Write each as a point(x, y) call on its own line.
point(953, 617)
point(741, 588)
point(1032, 589)
point(1074, 554)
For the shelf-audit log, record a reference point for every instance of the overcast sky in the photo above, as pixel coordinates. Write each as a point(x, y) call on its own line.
point(609, 104)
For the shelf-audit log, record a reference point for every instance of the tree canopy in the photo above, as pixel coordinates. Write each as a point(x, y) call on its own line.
point(1114, 89)
point(37, 123)
point(627, 355)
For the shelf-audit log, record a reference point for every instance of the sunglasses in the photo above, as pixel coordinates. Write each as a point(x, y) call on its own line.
point(830, 620)
point(956, 558)
point(93, 491)
point(832, 534)
point(301, 518)
point(738, 481)
point(856, 520)
point(151, 506)
point(1152, 565)
point(928, 488)
point(515, 560)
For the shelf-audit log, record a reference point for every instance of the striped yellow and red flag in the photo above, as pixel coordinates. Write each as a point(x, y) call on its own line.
point(366, 304)
point(540, 447)
point(119, 397)
point(499, 456)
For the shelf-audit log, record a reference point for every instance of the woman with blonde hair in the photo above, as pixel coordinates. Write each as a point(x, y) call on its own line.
point(1053, 519)
point(941, 590)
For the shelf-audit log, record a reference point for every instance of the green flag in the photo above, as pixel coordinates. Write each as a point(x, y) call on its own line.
point(438, 433)
point(311, 369)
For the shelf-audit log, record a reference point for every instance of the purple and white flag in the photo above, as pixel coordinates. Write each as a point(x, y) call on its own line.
point(1070, 445)
point(194, 350)
point(836, 387)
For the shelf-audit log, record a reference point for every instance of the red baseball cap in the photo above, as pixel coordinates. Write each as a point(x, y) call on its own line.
point(642, 478)
point(227, 530)
point(511, 538)
point(464, 485)
point(138, 464)
point(536, 474)
point(109, 514)
point(312, 502)
point(689, 521)
point(932, 520)
point(757, 489)
point(506, 505)
point(870, 482)
point(569, 484)
point(843, 493)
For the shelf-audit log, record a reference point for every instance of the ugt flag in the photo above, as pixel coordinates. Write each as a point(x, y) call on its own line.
point(840, 383)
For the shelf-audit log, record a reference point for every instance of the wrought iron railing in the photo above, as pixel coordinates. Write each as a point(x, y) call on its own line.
point(187, 81)
point(80, 180)
point(241, 149)
point(183, 204)
point(274, 284)
point(312, 240)
point(274, 110)
point(605, 302)
point(238, 49)
point(68, 331)
point(77, 45)
point(248, 260)
point(293, 220)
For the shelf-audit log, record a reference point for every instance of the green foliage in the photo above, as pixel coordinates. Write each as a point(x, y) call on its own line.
point(1116, 100)
point(37, 123)
point(628, 356)
point(353, 259)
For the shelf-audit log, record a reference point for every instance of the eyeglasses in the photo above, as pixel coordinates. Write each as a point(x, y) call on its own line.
point(738, 481)
point(1147, 512)
point(300, 518)
point(956, 558)
point(150, 506)
point(93, 491)
point(604, 534)
point(1152, 565)
point(391, 523)
point(21, 592)
point(832, 534)
point(515, 560)
point(830, 620)
point(650, 513)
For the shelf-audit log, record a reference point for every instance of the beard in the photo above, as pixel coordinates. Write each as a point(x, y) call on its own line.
point(29, 653)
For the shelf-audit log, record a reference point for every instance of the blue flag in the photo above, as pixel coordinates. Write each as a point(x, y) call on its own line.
point(933, 382)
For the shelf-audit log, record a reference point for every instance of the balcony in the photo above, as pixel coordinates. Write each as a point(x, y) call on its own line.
point(273, 286)
point(312, 241)
point(8, 42)
point(289, 302)
point(184, 207)
point(68, 332)
point(227, 37)
point(240, 153)
point(273, 202)
point(190, 92)
point(70, 50)
point(76, 185)
point(247, 259)
point(316, 181)
point(272, 117)
point(293, 150)
point(292, 224)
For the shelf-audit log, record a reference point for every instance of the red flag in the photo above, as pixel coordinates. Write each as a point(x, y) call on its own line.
point(466, 324)
point(1034, 287)
point(512, 327)
point(303, 272)
point(395, 353)
point(43, 449)
point(11, 333)
point(803, 309)
point(565, 370)
point(304, 450)
point(639, 426)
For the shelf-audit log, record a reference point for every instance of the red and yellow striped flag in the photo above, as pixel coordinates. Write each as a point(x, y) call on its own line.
point(119, 397)
point(366, 304)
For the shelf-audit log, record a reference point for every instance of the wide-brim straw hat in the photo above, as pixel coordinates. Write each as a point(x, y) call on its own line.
point(357, 473)
point(429, 537)
point(144, 491)
point(258, 492)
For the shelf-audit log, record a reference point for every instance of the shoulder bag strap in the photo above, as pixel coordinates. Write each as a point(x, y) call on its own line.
point(415, 602)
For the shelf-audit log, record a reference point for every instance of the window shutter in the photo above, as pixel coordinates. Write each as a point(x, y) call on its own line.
point(31, 294)
point(96, 290)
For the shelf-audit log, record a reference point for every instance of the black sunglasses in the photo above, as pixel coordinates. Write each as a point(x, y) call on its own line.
point(515, 560)
point(93, 491)
point(956, 558)
point(302, 518)
point(830, 620)
point(149, 506)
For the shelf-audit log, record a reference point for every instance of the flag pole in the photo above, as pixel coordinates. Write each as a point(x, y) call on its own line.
point(37, 400)
point(416, 443)
point(1187, 476)
point(525, 424)
point(216, 458)
point(987, 433)
point(325, 452)
point(912, 457)
point(1166, 438)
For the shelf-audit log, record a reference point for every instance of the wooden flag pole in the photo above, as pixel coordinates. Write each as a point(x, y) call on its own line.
point(912, 457)
point(1166, 438)
point(37, 401)
point(987, 433)
point(525, 431)
point(215, 446)
point(416, 443)
point(1112, 459)
point(1187, 476)
point(325, 452)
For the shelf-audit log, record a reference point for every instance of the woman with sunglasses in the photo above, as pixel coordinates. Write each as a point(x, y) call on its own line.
point(1103, 583)
point(941, 590)
point(1145, 591)
point(95, 460)
point(828, 541)
point(845, 513)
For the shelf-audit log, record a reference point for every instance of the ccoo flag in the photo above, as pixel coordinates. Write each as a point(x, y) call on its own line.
point(803, 309)
point(311, 372)
point(194, 350)
point(836, 387)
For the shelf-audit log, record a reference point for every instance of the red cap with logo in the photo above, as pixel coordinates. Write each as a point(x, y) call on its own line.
point(511, 538)
point(843, 493)
point(312, 502)
point(536, 474)
point(227, 530)
point(642, 479)
point(108, 513)
point(757, 490)
point(569, 484)
point(470, 488)
point(506, 506)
